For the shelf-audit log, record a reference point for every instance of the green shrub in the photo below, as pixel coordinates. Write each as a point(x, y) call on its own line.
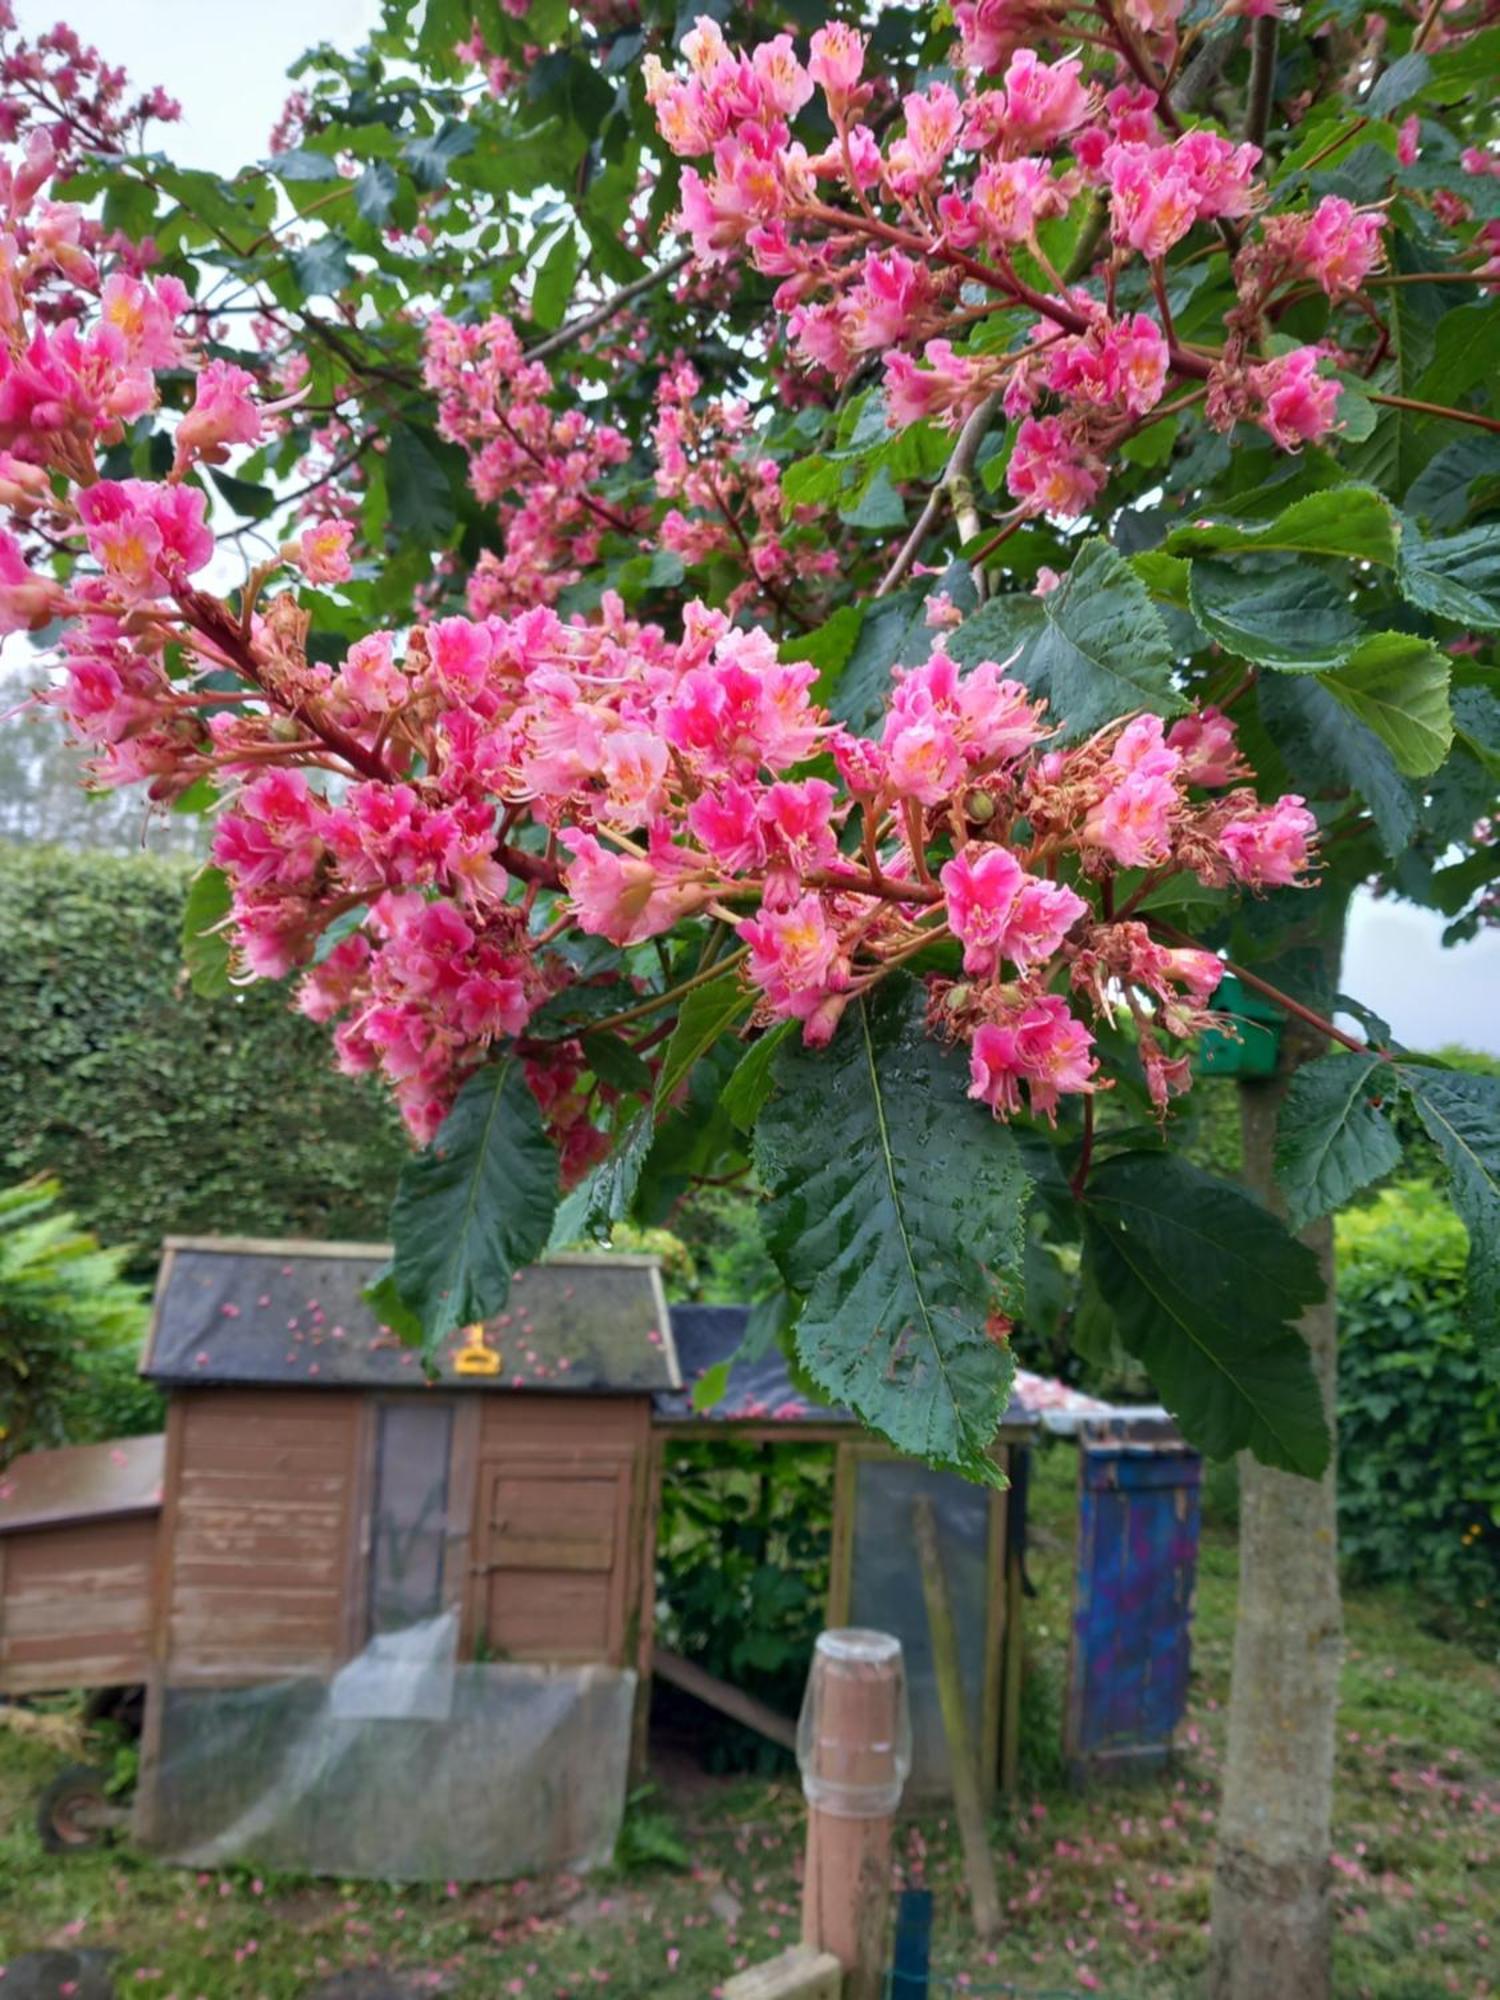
point(1419, 1416)
point(163, 1113)
point(70, 1331)
point(743, 1547)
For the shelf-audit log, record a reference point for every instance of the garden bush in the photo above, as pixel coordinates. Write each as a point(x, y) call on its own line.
point(743, 1551)
point(161, 1111)
point(70, 1330)
point(1419, 1415)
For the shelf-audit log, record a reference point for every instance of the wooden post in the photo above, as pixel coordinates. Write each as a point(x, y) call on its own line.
point(854, 1750)
point(979, 1863)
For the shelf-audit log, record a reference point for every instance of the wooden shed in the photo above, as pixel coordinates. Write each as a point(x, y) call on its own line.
point(318, 1490)
point(77, 1551)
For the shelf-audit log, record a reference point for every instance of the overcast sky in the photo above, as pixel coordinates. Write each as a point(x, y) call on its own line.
point(225, 61)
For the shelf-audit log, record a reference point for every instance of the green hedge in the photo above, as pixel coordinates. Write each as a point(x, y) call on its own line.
point(162, 1113)
point(1419, 1415)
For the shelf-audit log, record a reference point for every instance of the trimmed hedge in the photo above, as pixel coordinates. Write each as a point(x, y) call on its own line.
point(162, 1113)
point(1419, 1415)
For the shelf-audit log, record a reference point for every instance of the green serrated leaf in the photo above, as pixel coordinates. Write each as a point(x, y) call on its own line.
point(555, 280)
point(750, 1086)
point(1353, 521)
point(1461, 1113)
point(205, 950)
point(1325, 746)
point(430, 158)
point(323, 267)
point(386, 1302)
point(1292, 616)
point(421, 495)
point(897, 1210)
point(1454, 576)
point(1205, 1288)
point(828, 647)
point(375, 192)
point(615, 1062)
point(1331, 1140)
point(706, 1014)
point(476, 1206)
point(711, 1386)
point(1397, 685)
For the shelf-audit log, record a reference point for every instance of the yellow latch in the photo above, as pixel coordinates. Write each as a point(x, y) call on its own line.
point(476, 1357)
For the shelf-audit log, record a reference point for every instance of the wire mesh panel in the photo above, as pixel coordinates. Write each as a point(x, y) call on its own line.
point(404, 1768)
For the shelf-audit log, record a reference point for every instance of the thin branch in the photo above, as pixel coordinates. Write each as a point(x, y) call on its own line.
point(906, 555)
point(1434, 410)
point(615, 303)
point(1264, 35)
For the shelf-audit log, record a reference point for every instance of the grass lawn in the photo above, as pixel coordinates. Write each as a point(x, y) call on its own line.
point(1105, 1892)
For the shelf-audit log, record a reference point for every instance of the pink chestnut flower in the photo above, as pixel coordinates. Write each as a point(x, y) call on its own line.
point(224, 413)
point(1043, 101)
point(322, 551)
point(1269, 848)
point(1051, 472)
point(836, 62)
point(1298, 406)
point(627, 897)
point(997, 911)
point(1206, 744)
point(1042, 1045)
point(797, 961)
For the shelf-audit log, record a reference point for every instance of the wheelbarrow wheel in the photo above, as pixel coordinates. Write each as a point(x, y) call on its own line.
point(76, 1811)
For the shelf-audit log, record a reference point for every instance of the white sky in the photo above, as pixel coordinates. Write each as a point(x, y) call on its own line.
point(225, 61)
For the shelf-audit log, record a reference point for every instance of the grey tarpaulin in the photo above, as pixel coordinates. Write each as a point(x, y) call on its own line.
point(405, 1767)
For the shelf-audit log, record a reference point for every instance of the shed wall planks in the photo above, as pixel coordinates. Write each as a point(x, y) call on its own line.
point(76, 1605)
point(265, 1507)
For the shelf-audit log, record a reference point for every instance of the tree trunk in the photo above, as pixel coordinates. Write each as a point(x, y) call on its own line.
point(1272, 1929)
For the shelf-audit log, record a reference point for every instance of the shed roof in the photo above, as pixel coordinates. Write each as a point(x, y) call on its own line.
point(761, 1391)
point(246, 1311)
point(82, 1482)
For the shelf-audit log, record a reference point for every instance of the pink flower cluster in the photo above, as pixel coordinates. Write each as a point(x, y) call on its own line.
point(538, 467)
point(729, 492)
point(880, 245)
point(422, 830)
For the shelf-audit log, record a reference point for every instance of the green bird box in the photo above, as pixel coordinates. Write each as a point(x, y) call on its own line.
point(1249, 1046)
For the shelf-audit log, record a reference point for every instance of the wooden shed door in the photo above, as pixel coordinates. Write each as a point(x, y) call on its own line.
point(552, 1556)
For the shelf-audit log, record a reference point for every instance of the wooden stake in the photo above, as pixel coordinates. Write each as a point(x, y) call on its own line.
point(979, 1865)
point(852, 1774)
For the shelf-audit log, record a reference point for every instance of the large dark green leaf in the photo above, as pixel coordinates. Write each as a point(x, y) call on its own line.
point(476, 1206)
point(1454, 576)
point(897, 1209)
point(1290, 616)
point(205, 949)
point(1350, 521)
point(1331, 1139)
point(1205, 1287)
point(1327, 749)
point(827, 647)
point(1397, 685)
point(421, 494)
point(1462, 1115)
point(1096, 646)
point(554, 281)
point(1103, 648)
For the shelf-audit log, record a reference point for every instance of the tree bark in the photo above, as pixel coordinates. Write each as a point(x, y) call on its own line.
point(1272, 1926)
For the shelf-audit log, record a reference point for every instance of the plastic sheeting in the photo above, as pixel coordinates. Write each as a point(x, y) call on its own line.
point(405, 1767)
point(886, 1593)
